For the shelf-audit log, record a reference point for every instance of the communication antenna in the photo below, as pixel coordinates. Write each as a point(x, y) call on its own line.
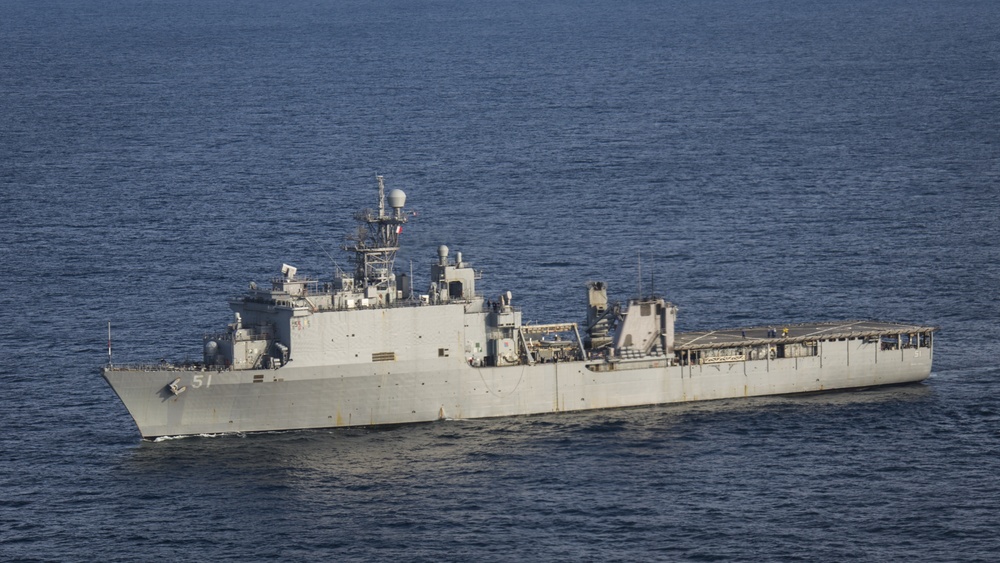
point(638, 254)
point(336, 266)
point(381, 195)
point(109, 343)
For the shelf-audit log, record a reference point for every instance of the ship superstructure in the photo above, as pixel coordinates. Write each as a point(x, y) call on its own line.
point(365, 349)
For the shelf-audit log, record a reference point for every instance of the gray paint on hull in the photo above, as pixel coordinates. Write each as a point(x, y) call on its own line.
point(426, 390)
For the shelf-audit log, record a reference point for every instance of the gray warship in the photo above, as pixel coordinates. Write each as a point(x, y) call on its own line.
point(364, 349)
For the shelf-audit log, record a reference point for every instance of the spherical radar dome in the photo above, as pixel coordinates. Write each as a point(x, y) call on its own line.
point(397, 199)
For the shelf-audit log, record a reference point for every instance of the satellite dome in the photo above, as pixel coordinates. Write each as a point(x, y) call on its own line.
point(397, 199)
point(211, 349)
point(443, 251)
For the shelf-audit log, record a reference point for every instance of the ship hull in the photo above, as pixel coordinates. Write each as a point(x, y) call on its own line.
point(236, 401)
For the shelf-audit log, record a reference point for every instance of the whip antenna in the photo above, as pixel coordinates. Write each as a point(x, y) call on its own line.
point(638, 255)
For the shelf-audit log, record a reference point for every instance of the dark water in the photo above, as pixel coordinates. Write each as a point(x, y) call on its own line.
point(772, 161)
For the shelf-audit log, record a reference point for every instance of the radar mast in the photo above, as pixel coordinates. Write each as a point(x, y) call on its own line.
point(377, 239)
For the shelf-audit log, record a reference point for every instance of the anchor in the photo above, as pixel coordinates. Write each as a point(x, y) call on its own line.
point(176, 390)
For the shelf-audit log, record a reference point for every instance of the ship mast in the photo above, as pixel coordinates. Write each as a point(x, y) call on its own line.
point(377, 239)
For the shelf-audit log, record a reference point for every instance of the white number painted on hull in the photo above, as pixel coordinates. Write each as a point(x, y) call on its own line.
point(199, 380)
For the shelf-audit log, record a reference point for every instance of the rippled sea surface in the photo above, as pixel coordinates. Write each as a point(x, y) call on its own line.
point(769, 161)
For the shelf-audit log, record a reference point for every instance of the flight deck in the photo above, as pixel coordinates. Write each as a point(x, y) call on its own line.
point(803, 332)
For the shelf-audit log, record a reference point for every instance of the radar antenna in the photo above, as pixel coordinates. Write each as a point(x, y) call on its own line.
point(377, 239)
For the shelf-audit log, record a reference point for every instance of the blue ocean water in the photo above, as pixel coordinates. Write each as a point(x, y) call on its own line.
point(769, 161)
